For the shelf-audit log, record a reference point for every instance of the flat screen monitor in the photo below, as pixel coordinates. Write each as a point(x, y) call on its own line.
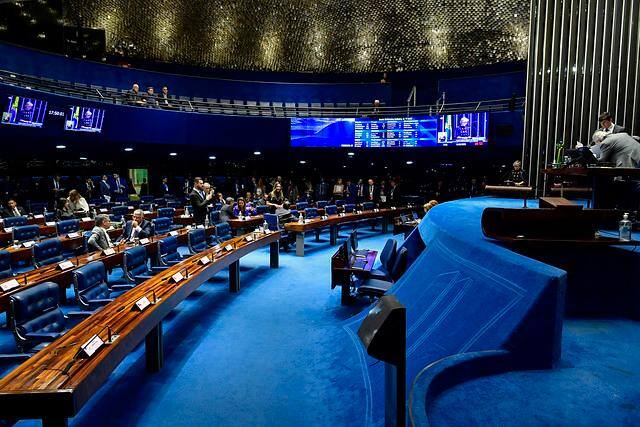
point(464, 129)
point(83, 119)
point(24, 111)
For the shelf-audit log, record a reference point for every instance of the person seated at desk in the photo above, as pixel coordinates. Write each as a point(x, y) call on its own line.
point(617, 148)
point(516, 176)
point(164, 99)
point(99, 239)
point(134, 97)
point(13, 209)
point(136, 228)
point(150, 97)
point(77, 203)
point(63, 210)
point(242, 208)
point(607, 125)
point(226, 212)
point(276, 197)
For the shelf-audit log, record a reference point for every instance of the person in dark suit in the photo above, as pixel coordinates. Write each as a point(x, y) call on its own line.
point(105, 188)
point(372, 192)
point(99, 238)
point(226, 212)
point(607, 125)
point(136, 228)
point(164, 99)
point(164, 188)
point(199, 201)
point(89, 189)
point(150, 97)
point(134, 97)
point(13, 209)
point(119, 185)
point(144, 187)
point(620, 149)
point(393, 198)
point(57, 190)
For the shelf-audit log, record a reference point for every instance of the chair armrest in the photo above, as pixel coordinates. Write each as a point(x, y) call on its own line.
point(159, 268)
point(79, 314)
point(121, 287)
point(43, 336)
point(100, 301)
point(14, 357)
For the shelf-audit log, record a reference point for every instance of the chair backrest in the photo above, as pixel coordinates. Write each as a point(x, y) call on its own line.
point(68, 226)
point(399, 264)
point(135, 262)
point(302, 205)
point(15, 221)
point(262, 209)
point(368, 206)
point(162, 225)
point(387, 256)
point(174, 204)
point(339, 202)
point(349, 207)
point(218, 206)
point(35, 309)
point(146, 199)
point(24, 233)
point(321, 204)
point(5, 264)
point(310, 213)
point(272, 221)
point(166, 212)
point(119, 210)
point(197, 240)
point(223, 230)
point(214, 217)
point(145, 206)
point(49, 216)
point(331, 209)
point(160, 201)
point(168, 250)
point(47, 252)
point(90, 282)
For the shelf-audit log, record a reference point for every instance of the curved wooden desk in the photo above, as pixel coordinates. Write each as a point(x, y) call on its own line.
point(55, 383)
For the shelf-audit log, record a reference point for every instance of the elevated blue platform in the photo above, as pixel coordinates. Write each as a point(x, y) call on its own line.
point(473, 307)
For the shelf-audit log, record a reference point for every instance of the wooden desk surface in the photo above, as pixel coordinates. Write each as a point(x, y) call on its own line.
point(318, 222)
point(592, 171)
point(40, 388)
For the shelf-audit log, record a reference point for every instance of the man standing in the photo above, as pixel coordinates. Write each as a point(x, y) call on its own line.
point(373, 192)
point(136, 228)
point(199, 201)
point(105, 188)
point(607, 125)
point(165, 186)
point(56, 188)
point(120, 185)
point(394, 194)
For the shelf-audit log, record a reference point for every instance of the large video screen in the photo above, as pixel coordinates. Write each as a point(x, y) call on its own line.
point(83, 119)
point(468, 129)
point(24, 111)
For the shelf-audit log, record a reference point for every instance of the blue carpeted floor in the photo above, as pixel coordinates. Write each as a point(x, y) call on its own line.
point(596, 384)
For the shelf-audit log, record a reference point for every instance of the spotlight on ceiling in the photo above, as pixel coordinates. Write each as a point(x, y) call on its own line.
point(409, 162)
point(61, 147)
point(212, 157)
point(257, 153)
point(128, 149)
point(173, 154)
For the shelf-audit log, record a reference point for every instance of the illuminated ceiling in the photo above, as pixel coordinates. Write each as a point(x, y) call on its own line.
point(311, 35)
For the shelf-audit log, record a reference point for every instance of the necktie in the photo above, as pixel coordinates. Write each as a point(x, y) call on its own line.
point(16, 212)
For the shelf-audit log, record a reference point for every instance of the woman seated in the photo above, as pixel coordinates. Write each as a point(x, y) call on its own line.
point(242, 208)
point(77, 203)
point(63, 211)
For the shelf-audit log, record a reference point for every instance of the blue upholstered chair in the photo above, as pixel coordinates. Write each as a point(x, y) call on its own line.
point(331, 210)
point(339, 202)
point(49, 216)
point(162, 225)
point(91, 287)
point(222, 230)
point(349, 207)
point(146, 199)
point(118, 213)
point(35, 316)
point(302, 205)
point(47, 252)
point(168, 251)
point(166, 212)
point(320, 204)
point(262, 209)
point(387, 258)
point(146, 206)
point(121, 198)
point(67, 226)
point(160, 202)
point(377, 287)
point(310, 213)
point(5, 264)
point(37, 207)
point(368, 206)
point(135, 266)
point(25, 233)
point(15, 221)
point(197, 240)
point(273, 222)
point(294, 213)
point(218, 206)
point(174, 204)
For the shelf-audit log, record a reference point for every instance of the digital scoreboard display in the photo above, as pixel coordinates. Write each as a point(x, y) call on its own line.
point(465, 129)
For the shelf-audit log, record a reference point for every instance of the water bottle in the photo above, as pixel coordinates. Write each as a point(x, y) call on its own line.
point(625, 228)
point(265, 226)
point(206, 221)
point(186, 210)
point(300, 218)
